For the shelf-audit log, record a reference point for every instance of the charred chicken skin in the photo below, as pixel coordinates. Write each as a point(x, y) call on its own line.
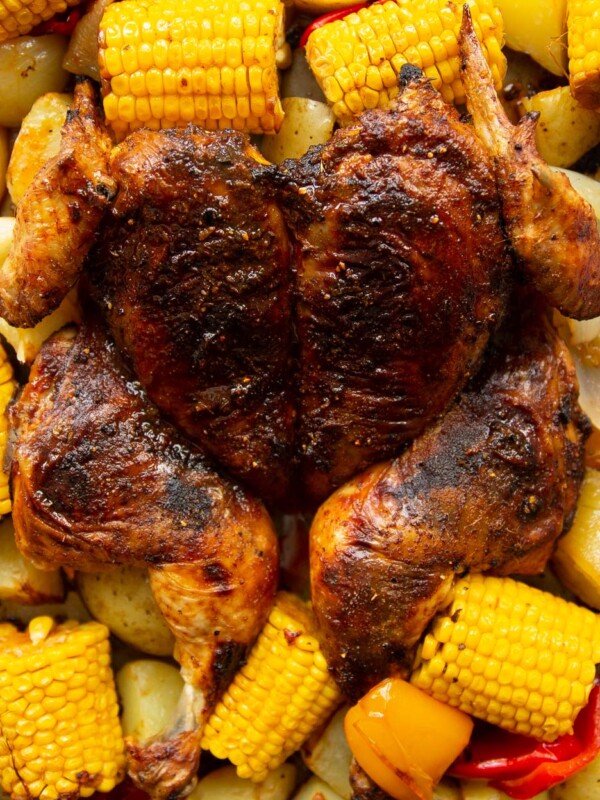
point(99, 479)
point(489, 488)
point(191, 271)
point(402, 271)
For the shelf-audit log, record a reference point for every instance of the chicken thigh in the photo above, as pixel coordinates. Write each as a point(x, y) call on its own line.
point(489, 488)
point(99, 479)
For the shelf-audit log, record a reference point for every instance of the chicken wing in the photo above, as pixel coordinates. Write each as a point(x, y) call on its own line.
point(192, 273)
point(488, 488)
point(553, 230)
point(58, 217)
point(402, 270)
point(99, 479)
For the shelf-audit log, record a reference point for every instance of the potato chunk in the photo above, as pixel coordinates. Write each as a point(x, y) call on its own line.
point(565, 130)
point(306, 122)
point(224, 783)
point(37, 141)
point(577, 557)
point(20, 581)
point(149, 691)
point(537, 27)
point(327, 755)
point(122, 599)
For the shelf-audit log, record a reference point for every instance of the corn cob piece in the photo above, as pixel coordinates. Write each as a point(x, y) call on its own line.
point(512, 655)
point(7, 389)
point(583, 28)
point(18, 17)
point(356, 60)
point(279, 697)
point(60, 734)
point(167, 63)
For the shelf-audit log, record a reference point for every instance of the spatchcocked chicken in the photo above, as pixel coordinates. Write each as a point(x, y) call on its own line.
point(296, 325)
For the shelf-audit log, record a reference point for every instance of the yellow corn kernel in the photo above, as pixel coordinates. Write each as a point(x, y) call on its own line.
point(191, 55)
point(280, 696)
point(18, 17)
point(385, 36)
point(583, 27)
point(59, 717)
point(512, 655)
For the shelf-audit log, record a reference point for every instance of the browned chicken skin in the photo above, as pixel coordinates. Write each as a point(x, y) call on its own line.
point(58, 217)
point(192, 273)
point(488, 488)
point(402, 271)
point(99, 479)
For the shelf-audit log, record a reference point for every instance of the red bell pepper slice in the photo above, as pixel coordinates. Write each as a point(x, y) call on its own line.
point(522, 767)
point(63, 24)
point(331, 16)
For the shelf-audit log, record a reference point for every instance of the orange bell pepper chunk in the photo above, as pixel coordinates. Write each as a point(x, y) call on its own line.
point(404, 739)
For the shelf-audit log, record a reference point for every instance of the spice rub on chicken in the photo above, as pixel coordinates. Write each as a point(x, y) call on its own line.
point(99, 479)
point(489, 488)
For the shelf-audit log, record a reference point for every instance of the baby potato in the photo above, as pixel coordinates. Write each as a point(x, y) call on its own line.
point(123, 601)
point(20, 581)
point(27, 341)
point(537, 27)
point(576, 560)
point(565, 130)
point(3, 160)
point(478, 790)
point(149, 692)
point(37, 141)
point(224, 783)
point(327, 755)
point(316, 789)
point(30, 66)
point(306, 122)
point(584, 785)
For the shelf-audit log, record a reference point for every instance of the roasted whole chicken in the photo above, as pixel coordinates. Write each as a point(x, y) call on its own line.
point(254, 330)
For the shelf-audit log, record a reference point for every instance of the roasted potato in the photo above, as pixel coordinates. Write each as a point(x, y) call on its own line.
point(27, 341)
point(577, 556)
point(70, 608)
point(122, 600)
point(7, 225)
point(584, 785)
point(149, 691)
point(20, 581)
point(565, 130)
point(478, 790)
point(30, 66)
point(306, 122)
point(316, 789)
point(37, 141)
point(327, 755)
point(3, 160)
point(537, 27)
point(224, 783)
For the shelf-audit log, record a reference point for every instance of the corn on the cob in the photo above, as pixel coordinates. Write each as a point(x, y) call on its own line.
point(512, 655)
point(583, 28)
point(211, 62)
point(60, 734)
point(18, 17)
point(356, 60)
point(279, 697)
point(7, 389)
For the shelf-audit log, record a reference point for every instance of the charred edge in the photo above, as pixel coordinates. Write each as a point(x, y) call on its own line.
point(409, 73)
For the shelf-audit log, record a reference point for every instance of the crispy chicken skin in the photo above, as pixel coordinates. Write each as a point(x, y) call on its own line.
point(58, 217)
point(401, 273)
point(489, 488)
point(99, 479)
point(192, 273)
point(552, 229)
